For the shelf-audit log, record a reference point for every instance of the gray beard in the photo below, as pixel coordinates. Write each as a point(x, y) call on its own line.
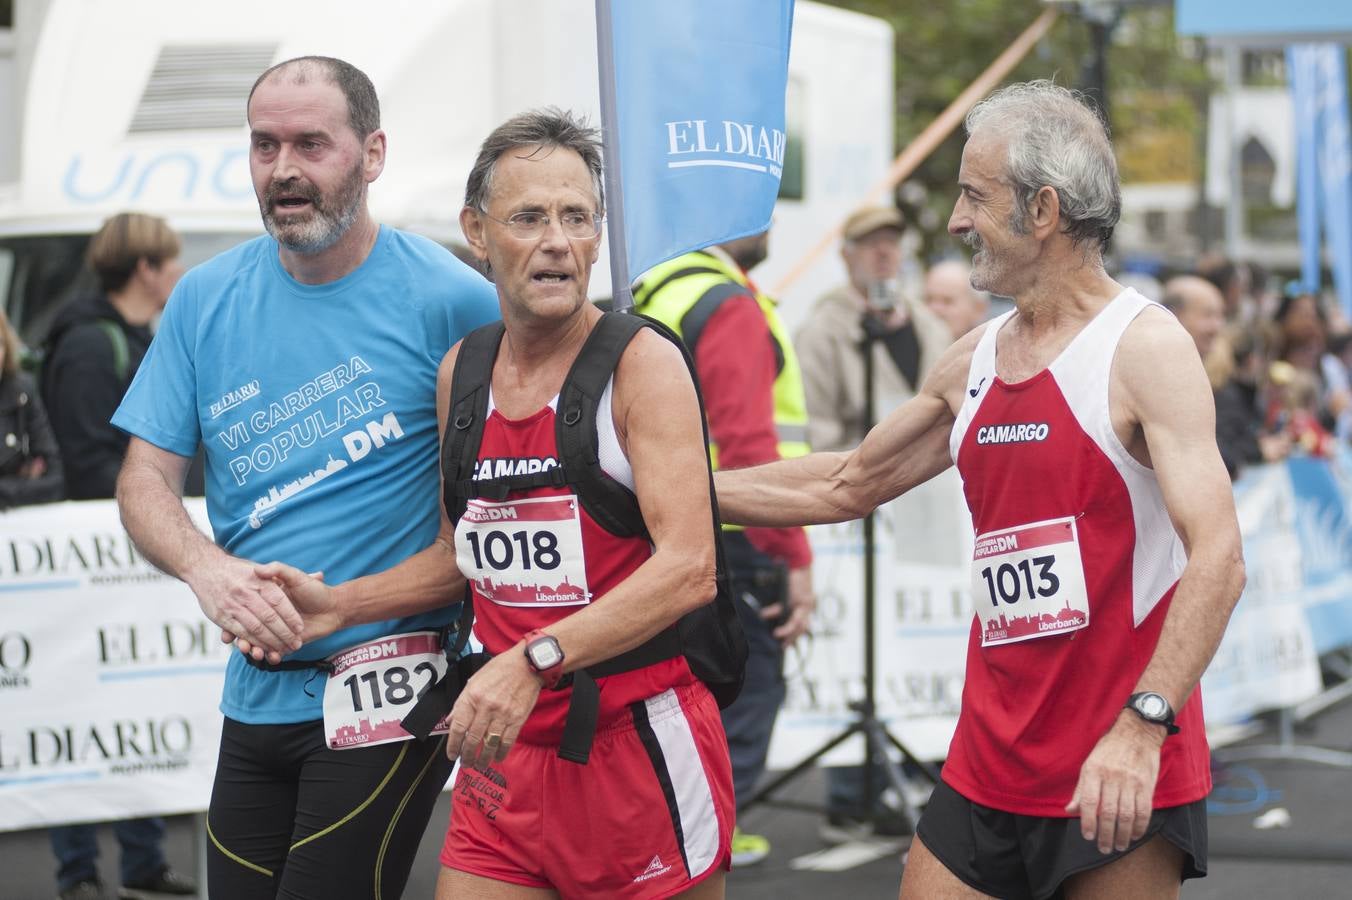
point(325, 227)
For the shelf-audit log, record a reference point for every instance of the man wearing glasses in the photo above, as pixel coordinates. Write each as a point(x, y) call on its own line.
point(305, 361)
point(563, 601)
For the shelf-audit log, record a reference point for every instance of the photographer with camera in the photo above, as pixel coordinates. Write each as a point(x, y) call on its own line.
point(870, 313)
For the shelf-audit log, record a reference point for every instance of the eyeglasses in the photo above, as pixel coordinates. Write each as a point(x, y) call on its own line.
point(531, 226)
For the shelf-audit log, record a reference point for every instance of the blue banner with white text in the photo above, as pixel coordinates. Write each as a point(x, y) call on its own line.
point(700, 106)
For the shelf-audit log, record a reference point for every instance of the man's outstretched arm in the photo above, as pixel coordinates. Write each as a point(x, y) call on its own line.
point(150, 499)
point(907, 448)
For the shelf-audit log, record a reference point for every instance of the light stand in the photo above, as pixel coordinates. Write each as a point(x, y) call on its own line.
point(876, 736)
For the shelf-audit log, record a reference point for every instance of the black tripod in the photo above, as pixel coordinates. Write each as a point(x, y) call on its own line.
point(876, 736)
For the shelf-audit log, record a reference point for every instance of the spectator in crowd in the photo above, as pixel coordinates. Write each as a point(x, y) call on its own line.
point(97, 342)
point(1232, 280)
point(905, 338)
point(1301, 340)
point(93, 350)
point(30, 466)
point(1200, 309)
point(950, 296)
point(753, 397)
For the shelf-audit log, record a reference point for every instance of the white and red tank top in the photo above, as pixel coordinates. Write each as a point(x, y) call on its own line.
point(538, 557)
point(1074, 565)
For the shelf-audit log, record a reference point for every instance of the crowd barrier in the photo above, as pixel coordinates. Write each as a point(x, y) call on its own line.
point(110, 676)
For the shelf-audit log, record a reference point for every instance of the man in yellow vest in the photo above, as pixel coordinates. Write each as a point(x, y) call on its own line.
point(753, 396)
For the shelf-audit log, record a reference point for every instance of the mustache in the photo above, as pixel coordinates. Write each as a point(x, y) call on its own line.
point(973, 240)
point(292, 187)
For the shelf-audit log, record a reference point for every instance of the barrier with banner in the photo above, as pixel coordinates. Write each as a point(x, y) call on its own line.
point(1297, 527)
point(110, 676)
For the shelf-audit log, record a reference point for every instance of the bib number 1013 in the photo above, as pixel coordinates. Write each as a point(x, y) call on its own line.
point(397, 689)
point(1008, 581)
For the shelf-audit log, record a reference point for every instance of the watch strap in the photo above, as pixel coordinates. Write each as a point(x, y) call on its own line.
point(1168, 721)
point(550, 677)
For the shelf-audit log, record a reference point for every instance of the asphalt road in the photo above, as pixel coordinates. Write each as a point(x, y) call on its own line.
point(1309, 858)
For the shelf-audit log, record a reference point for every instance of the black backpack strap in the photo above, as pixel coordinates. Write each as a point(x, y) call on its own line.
point(467, 409)
point(611, 504)
point(709, 637)
point(433, 706)
point(471, 380)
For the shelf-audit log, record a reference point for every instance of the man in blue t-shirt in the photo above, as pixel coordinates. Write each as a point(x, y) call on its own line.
point(305, 363)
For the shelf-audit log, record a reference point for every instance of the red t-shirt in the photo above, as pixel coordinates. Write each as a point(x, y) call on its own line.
point(735, 361)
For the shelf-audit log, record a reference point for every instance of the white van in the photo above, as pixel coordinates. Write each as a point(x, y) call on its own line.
point(140, 105)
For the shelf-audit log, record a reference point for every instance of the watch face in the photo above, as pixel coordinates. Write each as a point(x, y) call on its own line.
point(545, 653)
point(1153, 706)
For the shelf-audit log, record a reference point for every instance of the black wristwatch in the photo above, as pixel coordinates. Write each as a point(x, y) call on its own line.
point(1153, 708)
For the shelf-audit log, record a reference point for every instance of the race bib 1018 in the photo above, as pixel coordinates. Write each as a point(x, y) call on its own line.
point(524, 552)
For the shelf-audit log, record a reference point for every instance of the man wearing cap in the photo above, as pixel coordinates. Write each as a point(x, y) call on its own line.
point(753, 396)
point(905, 339)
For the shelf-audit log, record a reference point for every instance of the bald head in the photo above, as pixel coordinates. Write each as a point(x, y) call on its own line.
point(949, 293)
point(363, 107)
point(1200, 308)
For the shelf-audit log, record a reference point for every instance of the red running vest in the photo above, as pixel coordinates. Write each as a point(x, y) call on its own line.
point(538, 557)
point(1074, 566)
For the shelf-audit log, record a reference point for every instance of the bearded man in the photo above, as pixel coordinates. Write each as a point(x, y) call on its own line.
point(306, 363)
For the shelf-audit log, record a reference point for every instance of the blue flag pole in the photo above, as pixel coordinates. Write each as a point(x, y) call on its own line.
point(610, 148)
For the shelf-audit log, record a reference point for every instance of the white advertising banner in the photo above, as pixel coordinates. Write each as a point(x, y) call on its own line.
point(1267, 658)
point(110, 677)
point(922, 616)
point(109, 674)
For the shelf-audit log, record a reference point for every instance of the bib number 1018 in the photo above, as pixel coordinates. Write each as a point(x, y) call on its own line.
point(538, 550)
point(1008, 581)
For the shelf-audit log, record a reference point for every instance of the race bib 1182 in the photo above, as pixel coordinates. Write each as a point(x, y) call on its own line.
point(374, 685)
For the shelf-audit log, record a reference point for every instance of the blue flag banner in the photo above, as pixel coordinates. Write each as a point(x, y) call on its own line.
point(1335, 166)
point(699, 112)
point(1301, 65)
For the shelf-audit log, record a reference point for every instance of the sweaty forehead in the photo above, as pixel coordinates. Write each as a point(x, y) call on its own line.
point(535, 176)
point(984, 157)
point(311, 104)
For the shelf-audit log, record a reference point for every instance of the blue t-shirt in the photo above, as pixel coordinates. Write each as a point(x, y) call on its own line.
point(316, 405)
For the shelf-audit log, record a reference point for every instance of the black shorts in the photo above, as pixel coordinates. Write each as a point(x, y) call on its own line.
point(290, 818)
point(1016, 857)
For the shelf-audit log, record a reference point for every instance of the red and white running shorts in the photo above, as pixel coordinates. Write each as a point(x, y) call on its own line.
point(649, 816)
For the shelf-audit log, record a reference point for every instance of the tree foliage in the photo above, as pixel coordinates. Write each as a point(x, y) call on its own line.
point(1154, 84)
